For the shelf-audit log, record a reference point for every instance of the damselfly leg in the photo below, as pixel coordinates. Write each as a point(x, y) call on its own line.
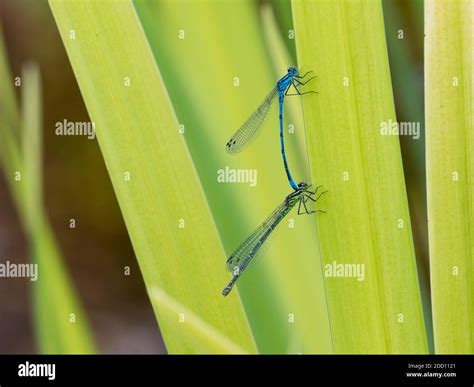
point(298, 81)
point(302, 76)
point(309, 195)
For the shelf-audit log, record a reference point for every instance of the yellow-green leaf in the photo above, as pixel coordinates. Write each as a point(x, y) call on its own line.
point(160, 195)
point(367, 221)
point(449, 107)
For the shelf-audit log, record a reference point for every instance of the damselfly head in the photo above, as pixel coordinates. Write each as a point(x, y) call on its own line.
point(302, 185)
point(292, 71)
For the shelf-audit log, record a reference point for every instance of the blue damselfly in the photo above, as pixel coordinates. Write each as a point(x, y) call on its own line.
point(249, 130)
point(248, 249)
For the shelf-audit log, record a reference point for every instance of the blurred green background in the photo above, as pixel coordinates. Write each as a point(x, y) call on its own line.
point(76, 183)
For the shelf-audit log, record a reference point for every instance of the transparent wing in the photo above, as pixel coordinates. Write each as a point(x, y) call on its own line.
point(249, 248)
point(242, 252)
point(249, 130)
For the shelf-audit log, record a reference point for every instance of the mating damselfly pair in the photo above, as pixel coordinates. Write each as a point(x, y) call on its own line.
point(250, 247)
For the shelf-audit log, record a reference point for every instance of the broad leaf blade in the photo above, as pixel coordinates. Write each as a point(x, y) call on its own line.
point(449, 71)
point(160, 195)
point(367, 221)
